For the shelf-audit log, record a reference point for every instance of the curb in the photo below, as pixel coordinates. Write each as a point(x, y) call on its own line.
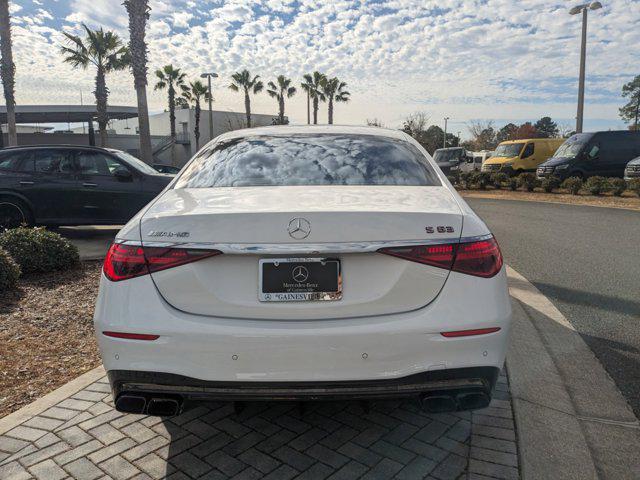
point(49, 400)
point(554, 202)
point(571, 419)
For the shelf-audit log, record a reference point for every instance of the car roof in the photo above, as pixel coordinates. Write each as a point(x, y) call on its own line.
point(67, 146)
point(523, 140)
point(314, 129)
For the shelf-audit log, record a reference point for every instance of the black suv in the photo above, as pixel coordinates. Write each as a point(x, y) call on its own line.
point(588, 154)
point(73, 185)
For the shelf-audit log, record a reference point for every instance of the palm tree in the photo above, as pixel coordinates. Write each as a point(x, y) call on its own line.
point(171, 78)
point(138, 15)
point(313, 86)
point(243, 81)
point(334, 90)
point(8, 72)
point(279, 91)
point(107, 53)
point(197, 91)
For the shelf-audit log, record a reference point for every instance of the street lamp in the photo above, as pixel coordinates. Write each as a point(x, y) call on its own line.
point(209, 76)
point(446, 119)
point(584, 8)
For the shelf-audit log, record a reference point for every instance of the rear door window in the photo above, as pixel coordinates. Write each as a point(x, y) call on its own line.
point(53, 161)
point(305, 159)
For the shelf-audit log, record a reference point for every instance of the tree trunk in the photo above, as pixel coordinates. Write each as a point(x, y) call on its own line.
point(330, 110)
point(281, 108)
point(102, 93)
point(172, 110)
point(138, 14)
point(247, 107)
point(196, 128)
point(308, 109)
point(8, 71)
point(146, 151)
point(315, 110)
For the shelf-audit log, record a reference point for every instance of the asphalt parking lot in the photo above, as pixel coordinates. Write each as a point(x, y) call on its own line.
point(586, 261)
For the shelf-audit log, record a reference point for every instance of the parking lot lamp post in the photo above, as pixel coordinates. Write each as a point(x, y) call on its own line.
point(209, 76)
point(584, 8)
point(444, 142)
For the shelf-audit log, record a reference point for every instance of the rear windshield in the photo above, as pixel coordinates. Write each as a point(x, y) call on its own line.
point(308, 160)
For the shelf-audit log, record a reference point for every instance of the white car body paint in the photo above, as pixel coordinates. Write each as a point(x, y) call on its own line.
point(388, 324)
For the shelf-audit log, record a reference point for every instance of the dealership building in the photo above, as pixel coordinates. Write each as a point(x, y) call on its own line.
point(76, 125)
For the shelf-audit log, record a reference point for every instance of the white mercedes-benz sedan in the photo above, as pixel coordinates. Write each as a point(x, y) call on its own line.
point(304, 263)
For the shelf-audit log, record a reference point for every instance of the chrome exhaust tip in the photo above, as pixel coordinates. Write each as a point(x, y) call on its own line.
point(164, 407)
point(439, 403)
point(131, 404)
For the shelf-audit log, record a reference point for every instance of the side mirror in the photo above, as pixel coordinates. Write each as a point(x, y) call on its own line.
point(122, 174)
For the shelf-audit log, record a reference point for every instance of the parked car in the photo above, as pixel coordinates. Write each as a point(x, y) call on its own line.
point(304, 263)
point(73, 185)
point(450, 158)
point(472, 162)
point(162, 168)
point(519, 156)
point(588, 154)
point(632, 170)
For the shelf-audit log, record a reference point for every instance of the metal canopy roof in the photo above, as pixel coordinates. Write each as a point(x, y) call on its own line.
point(64, 113)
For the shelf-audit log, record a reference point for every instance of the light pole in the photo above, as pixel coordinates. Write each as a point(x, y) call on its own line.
point(584, 8)
point(209, 76)
point(444, 143)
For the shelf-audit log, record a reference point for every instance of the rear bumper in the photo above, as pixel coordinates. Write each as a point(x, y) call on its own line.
point(446, 382)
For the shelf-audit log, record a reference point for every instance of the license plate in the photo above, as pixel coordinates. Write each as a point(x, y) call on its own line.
point(300, 280)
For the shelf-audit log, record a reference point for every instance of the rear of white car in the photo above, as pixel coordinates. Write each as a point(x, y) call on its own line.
point(304, 263)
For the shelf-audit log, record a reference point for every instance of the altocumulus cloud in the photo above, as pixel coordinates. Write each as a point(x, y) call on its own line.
point(464, 58)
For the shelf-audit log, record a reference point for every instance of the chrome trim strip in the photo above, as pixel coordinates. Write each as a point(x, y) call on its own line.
point(304, 248)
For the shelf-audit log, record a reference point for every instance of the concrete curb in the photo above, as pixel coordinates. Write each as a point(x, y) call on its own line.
point(571, 419)
point(43, 403)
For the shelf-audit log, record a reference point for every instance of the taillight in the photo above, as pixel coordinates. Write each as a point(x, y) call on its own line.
point(479, 258)
point(128, 261)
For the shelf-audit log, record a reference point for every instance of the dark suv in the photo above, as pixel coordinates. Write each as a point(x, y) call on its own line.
point(73, 185)
point(588, 154)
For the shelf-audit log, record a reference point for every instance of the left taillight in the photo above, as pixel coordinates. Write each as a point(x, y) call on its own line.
point(128, 261)
point(480, 258)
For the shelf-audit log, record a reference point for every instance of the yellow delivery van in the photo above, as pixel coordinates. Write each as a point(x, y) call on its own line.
point(518, 156)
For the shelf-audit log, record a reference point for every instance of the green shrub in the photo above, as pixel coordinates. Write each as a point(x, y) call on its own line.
point(634, 186)
point(482, 180)
point(498, 179)
point(549, 184)
point(618, 186)
point(513, 183)
point(38, 250)
point(573, 185)
point(528, 181)
point(597, 185)
point(9, 271)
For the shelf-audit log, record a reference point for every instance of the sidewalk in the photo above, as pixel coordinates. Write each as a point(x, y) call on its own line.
point(75, 433)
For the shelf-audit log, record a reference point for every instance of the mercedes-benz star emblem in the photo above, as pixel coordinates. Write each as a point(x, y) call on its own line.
point(299, 228)
point(300, 274)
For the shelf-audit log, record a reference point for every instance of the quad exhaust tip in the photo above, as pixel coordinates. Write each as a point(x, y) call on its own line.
point(155, 406)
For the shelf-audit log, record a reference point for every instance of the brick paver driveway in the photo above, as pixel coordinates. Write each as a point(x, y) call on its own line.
point(82, 437)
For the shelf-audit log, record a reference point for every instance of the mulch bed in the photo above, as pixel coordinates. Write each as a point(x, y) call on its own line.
point(627, 200)
point(46, 333)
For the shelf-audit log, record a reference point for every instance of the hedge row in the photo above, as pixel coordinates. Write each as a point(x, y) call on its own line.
point(30, 250)
point(529, 182)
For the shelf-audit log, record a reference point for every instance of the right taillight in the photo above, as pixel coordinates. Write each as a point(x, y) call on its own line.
point(480, 258)
point(128, 261)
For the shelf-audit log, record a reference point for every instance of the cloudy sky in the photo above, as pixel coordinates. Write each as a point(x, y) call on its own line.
point(466, 59)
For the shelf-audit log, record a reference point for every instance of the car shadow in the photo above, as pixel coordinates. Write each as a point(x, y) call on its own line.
point(592, 300)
